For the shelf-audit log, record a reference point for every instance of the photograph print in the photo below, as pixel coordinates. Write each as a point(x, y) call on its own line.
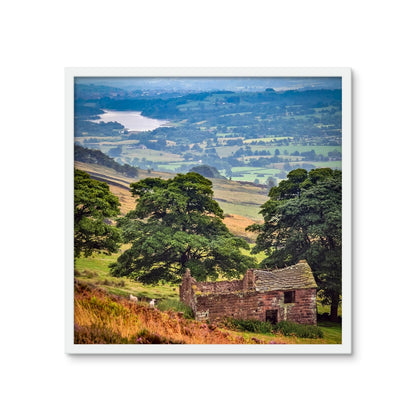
point(208, 210)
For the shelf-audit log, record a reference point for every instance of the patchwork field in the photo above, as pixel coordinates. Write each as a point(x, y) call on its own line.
point(169, 159)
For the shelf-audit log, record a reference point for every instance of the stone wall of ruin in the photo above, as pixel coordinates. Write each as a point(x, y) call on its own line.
point(240, 300)
point(253, 305)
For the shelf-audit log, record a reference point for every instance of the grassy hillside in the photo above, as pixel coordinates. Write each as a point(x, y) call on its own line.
point(104, 318)
point(103, 313)
point(107, 319)
point(238, 200)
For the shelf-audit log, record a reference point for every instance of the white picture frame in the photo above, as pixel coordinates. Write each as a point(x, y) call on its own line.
point(346, 346)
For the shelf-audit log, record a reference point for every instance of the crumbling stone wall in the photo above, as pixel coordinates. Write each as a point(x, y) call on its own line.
point(249, 280)
point(241, 305)
point(254, 305)
point(240, 299)
point(219, 287)
point(186, 290)
point(303, 311)
point(190, 290)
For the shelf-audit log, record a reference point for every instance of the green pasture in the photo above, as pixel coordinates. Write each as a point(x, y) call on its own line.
point(249, 177)
point(332, 332)
point(95, 270)
point(254, 170)
point(226, 151)
point(259, 256)
point(174, 165)
point(333, 164)
point(151, 155)
point(249, 211)
point(250, 174)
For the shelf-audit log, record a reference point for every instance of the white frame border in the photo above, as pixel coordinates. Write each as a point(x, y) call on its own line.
point(346, 346)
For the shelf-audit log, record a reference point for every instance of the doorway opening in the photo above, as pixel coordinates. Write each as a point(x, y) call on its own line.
point(271, 316)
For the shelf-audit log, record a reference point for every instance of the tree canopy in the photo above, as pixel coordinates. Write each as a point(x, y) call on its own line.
point(94, 204)
point(303, 220)
point(206, 171)
point(177, 225)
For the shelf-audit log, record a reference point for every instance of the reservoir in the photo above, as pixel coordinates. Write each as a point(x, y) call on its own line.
point(131, 120)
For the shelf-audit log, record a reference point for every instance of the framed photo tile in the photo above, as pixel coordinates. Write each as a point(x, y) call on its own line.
point(208, 211)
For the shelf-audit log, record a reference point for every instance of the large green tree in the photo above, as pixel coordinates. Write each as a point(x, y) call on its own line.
point(178, 225)
point(94, 205)
point(303, 220)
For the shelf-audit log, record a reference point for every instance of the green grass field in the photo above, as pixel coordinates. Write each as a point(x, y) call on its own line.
point(259, 256)
point(333, 164)
point(95, 270)
point(249, 211)
point(250, 174)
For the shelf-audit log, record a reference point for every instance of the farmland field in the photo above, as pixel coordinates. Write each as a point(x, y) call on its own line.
point(167, 160)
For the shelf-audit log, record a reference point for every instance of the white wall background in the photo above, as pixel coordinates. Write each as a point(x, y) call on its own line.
point(40, 38)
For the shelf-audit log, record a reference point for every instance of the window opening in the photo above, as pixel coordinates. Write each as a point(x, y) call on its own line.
point(290, 297)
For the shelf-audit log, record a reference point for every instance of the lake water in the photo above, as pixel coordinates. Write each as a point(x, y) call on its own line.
point(131, 120)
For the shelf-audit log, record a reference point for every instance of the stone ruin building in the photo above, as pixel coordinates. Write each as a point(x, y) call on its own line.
point(287, 294)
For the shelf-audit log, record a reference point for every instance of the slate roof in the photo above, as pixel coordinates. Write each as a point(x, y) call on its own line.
point(298, 276)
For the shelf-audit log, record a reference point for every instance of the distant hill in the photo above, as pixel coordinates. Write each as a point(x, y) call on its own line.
point(207, 171)
point(82, 154)
point(90, 91)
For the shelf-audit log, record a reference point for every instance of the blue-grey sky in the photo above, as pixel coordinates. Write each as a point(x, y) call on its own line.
point(217, 83)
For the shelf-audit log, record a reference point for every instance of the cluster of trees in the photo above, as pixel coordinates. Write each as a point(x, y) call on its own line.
point(177, 225)
point(158, 139)
point(90, 128)
point(207, 171)
point(94, 204)
point(247, 151)
point(303, 220)
point(312, 156)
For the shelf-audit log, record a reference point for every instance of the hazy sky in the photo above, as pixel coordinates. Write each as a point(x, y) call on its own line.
point(218, 83)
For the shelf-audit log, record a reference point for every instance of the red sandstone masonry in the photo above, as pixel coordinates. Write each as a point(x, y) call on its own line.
point(219, 287)
point(241, 300)
point(186, 291)
point(249, 280)
point(253, 305)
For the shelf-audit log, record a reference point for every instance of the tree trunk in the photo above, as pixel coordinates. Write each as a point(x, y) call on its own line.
point(334, 307)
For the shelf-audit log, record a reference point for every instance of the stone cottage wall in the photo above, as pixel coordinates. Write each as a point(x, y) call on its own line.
point(190, 290)
point(303, 310)
point(240, 305)
point(225, 286)
point(249, 280)
point(186, 290)
point(238, 299)
point(253, 305)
